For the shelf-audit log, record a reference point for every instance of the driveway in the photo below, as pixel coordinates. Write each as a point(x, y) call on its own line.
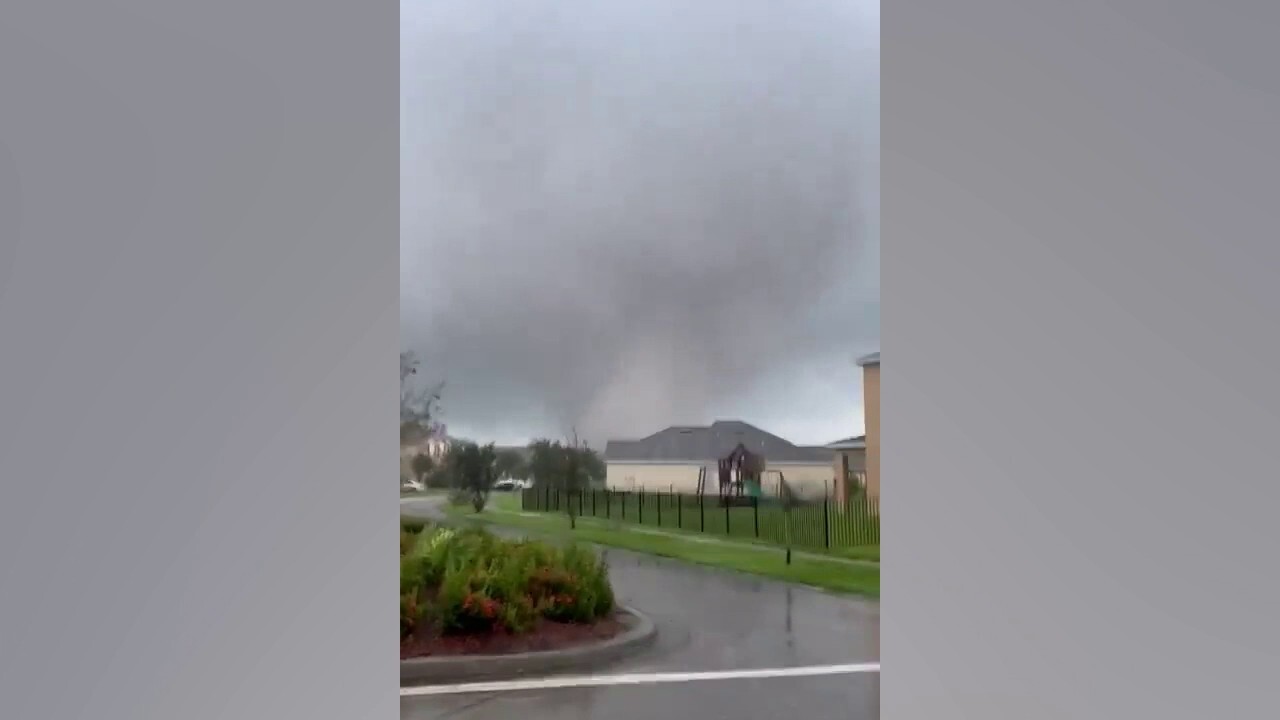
point(708, 620)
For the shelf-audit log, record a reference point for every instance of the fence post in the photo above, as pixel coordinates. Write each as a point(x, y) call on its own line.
point(725, 500)
point(826, 522)
point(702, 513)
point(582, 503)
point(875, 528)
point(659, 496)
point(755, 512)
point(679, 511)
point(787, 520)
point(625, 493)
point(546, 498)
point(608, 511)
point(593, 502)
point(641, 510)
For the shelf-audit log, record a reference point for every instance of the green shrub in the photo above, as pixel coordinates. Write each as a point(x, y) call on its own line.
point(416, 615)
point(423, 566)
point(605, 601)
point(455, 584)
point(413, 526)
point(478, 582)
point(511, 577)
point(434, 543)
point(519, 615)
point(414, 573)
point(595, 585)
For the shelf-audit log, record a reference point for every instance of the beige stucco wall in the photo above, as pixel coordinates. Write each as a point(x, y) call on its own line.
point(658, 477)
point(810, 480)
point(845, 462)
point(871, 405)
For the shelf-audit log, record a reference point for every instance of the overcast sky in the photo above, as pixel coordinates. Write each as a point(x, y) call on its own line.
point(622, 216)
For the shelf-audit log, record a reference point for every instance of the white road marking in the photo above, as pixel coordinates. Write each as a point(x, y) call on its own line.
point(636, 679)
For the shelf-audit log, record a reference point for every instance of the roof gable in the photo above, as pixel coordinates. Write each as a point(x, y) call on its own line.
point(710, 443)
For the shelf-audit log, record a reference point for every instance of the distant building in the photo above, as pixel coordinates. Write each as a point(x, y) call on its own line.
point(434, 444)
point(850, 466)
point(871, 409)
point(437, 443)
point(676, 458)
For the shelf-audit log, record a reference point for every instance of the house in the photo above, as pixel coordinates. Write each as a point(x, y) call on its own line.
point(675, 459)
point(849, 465)
point(433, 443)
point(870, 365)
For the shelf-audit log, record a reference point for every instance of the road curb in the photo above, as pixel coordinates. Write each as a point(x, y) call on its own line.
point(639, 634)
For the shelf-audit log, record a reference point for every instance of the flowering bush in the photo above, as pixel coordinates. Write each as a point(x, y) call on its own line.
point(471, 581)
point(439, 537)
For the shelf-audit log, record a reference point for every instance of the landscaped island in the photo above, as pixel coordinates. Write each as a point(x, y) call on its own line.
point(470, 592)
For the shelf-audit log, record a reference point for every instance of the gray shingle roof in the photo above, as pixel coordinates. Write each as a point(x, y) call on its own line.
point(707, 444)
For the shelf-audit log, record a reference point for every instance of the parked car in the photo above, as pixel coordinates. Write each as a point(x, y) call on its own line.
point(509, 485)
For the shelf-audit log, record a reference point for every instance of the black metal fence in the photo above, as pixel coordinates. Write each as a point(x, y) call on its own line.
point(821, 523)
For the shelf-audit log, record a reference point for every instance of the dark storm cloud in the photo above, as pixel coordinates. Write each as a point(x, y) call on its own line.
point(617, 215)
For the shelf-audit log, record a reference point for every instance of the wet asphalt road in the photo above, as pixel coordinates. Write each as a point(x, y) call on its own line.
point(707, 620)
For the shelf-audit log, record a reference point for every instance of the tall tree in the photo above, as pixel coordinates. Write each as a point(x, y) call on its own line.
point(473, 469)
point(595, 466)
point(418, 406)
point(511, 464)
point(546, 463)
point(422, 466)
point(567, 467)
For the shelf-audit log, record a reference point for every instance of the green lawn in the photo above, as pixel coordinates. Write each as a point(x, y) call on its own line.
point(815, 526)
point(428, 492)
point(869, 553)
point(505, 501)
point(819, 572)
point(741, 525)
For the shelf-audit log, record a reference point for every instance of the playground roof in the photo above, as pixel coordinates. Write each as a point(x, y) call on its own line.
point(705, 444)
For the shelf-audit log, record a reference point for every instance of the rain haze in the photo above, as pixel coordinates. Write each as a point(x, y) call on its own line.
point(624, 216)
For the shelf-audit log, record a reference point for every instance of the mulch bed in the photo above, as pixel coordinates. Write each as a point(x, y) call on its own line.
point(546, 635)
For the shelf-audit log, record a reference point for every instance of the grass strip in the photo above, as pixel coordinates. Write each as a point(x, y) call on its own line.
point(862, 580)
